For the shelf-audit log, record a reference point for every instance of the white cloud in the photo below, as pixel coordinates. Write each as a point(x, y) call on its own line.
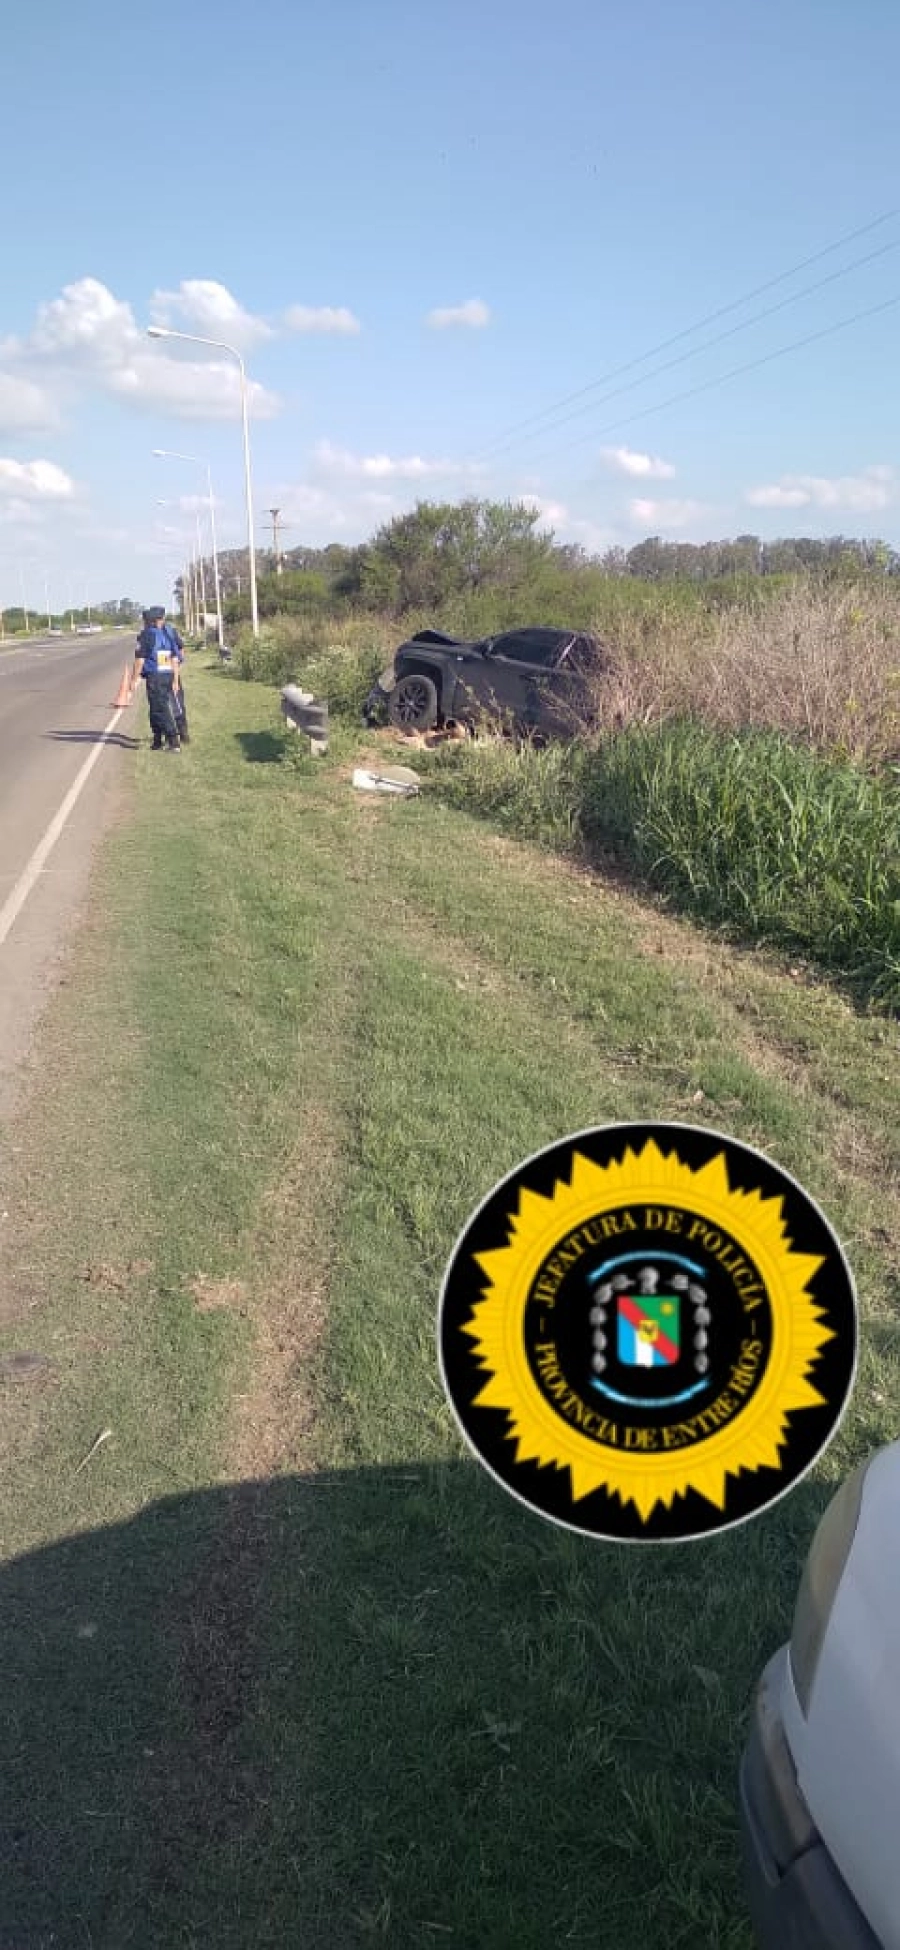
point(346, 496)
point(34, 480)
point(665, 514)
point(383, 467)
point(20, 514)
point(553, 513)
point(589, 534)
point(777, 497)
point(188, 390)
point(321, 318)
point(640, 466)
point(474, 314)
point(85, 325)
point(375, 498)
point(24, 406)
point(874, 488)
point(313, 515)
point(195, 504)
point(569, 527)
point(108, 532)
point(89, 338)
point(202, 305)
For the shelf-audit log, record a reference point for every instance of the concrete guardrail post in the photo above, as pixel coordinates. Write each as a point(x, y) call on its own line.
point(308, 714)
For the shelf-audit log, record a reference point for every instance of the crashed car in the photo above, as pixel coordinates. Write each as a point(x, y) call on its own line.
point(536, 681)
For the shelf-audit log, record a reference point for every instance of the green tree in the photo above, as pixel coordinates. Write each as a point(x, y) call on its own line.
point(443, 550)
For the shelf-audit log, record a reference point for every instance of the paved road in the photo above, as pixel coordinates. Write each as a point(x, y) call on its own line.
point(56, 698)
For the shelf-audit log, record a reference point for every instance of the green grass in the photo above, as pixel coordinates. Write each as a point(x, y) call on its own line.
point(275, 1681)
point(752, 832)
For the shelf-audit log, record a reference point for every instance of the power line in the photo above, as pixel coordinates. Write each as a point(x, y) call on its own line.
point(732, 331)
point(709, 319)
point(752, 365)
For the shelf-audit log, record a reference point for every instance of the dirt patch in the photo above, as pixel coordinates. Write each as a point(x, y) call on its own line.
point(24, 1367)
point(215, 1296)
point(209, 1785)
point(116, 1279)
point(274, 1417)
point(428, 741)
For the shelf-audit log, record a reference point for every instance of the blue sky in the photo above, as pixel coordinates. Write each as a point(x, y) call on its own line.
point(425, 225)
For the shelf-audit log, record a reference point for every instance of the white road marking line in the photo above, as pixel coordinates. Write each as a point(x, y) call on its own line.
point(26, 882)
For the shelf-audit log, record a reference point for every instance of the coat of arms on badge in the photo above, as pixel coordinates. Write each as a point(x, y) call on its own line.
point(655, 1318)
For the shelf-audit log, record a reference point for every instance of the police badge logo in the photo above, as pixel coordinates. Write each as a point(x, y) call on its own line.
point(648, 1333)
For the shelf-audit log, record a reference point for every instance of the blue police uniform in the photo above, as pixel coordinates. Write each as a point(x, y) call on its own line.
point(161, 650)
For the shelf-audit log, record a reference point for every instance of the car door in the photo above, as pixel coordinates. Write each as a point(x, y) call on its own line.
point(483, 681)
point(570, 700)
point(526, 659)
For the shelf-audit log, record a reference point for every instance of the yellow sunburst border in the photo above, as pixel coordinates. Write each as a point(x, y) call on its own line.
point(755, 1437)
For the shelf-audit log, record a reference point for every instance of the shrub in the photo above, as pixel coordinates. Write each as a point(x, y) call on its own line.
point(339, 662)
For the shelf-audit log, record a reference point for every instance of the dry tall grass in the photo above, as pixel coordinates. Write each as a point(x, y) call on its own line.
point(819, 665)
point(822, 666)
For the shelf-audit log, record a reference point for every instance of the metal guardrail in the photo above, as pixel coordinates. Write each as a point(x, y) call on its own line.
point(308, 714)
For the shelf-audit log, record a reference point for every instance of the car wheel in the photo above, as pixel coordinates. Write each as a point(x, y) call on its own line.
point(413, 704)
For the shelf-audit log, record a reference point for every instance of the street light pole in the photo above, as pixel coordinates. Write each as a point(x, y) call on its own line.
point(215, 556)
point(190, 577)
point(165, 453)
point(219, 345)
point(202, 569)
point(254, 607)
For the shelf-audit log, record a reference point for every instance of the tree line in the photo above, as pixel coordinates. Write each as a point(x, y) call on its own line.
point(458, 553)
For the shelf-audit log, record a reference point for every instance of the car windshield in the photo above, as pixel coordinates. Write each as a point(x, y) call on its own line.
point(531, 646)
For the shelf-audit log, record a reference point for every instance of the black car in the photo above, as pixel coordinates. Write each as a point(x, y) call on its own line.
point(532, 681)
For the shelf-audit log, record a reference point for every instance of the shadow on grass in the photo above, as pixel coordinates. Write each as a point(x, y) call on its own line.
point(261, 747)
point(379, 1706)
point(119, 738)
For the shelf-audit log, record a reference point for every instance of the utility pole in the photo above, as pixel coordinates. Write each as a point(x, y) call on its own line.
point(279, 565)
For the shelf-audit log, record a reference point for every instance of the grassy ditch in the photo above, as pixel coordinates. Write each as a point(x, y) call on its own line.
point(279, 1663)
point(749, 832)
point(748, 770)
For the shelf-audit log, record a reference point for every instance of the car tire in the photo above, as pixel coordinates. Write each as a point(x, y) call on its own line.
point(413, 703)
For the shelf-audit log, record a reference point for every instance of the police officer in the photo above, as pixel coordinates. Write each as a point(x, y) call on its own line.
point(158, 658)
point(179, 701)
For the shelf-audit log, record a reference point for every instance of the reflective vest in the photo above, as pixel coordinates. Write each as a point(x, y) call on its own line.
point(159, 649)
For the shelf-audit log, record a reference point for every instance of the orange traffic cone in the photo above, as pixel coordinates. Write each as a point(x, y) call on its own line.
point(124, 696)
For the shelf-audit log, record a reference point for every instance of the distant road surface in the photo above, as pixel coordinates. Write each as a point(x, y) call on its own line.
point(56, 699)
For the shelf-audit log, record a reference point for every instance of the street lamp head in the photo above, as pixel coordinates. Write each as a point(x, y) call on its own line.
point(160, 332)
